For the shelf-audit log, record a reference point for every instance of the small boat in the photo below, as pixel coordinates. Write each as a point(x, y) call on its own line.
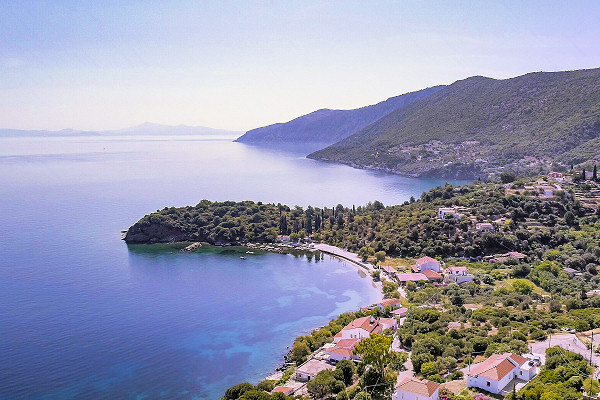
point(249, 252)
point(243, 258)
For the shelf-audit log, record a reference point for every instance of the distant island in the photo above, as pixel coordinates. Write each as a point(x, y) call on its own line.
point(474, 128)
point(147, 128)
point(481, 283)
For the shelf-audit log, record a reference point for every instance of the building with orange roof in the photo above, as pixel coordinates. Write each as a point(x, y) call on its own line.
point(426, 264)
point(360, 328)
point(497, 372)
point(288, 391)
point(414, 389)
point(433, 276)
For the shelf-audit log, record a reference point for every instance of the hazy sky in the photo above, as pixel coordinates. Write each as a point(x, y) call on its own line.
point(243, 64)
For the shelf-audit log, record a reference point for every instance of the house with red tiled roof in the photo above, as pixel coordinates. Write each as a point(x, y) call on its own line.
point(498, 371)
point(426, 264)
point(414, 389)
point(411, 277)
point(360, 328)
point(343, 350)
point(288, 391)
point(393, 302)
point(432, 276)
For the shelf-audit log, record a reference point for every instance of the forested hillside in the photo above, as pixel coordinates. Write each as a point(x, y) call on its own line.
point(480, 125)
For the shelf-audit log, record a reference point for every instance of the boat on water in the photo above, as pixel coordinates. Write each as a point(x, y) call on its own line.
point(243, 258)
point(249, 252)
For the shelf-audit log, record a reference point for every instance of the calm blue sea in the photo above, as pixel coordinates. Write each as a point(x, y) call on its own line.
point(82, 316)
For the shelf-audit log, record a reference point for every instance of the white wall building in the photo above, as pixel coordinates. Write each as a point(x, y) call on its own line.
point(360, 328)
point(413, 389)
point(427, 264)
point(458, 275)
point(495, 373)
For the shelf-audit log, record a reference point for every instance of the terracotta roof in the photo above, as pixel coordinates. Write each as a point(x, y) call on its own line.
point(416, 268)
point(364, 323)
point(388, 302)
point(422, 388)
point(424, 260)
point(283, 389)
point(519, 360)
point(496, 367)
point(341, 351)
point(388, 321)
point(432, 275)
point(457, 269)
point(400, 311)
point(313, 367)
point(347, 343)
point(404, 277)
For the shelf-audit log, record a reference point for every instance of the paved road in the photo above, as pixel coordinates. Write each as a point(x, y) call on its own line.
point(567, 341)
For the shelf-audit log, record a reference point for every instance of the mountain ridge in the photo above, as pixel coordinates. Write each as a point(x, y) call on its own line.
point(145, 128)
point(328, 126)
point(478, 126)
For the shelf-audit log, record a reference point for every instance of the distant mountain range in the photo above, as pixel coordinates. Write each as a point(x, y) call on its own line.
point(327, 126)
point(146, 128)
point(473, 128)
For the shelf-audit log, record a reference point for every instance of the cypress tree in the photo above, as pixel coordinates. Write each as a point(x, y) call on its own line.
point(583, 174)
point(595, 174)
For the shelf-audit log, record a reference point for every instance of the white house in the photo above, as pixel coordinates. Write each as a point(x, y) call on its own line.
point(426, 264)
point(343, 350)
point(310, 369)
point(388, 323)
point(484, 227)
point(360, 328)
point(444, 213)
point(394, 303)
point(495, 373)
point(413, 389)
point(458, 275)
point(400, 313)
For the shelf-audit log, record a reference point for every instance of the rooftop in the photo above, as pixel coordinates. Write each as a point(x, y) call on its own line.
point(422, 388)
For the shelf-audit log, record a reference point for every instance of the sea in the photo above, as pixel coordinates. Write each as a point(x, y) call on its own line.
point(84, 316)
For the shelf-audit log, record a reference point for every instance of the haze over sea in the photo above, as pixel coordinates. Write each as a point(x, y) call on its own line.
point(83, 316)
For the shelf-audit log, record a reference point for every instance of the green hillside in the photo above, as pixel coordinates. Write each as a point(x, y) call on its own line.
point(480, 125)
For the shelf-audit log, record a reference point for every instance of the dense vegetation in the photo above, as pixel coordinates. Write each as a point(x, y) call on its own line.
point(476, 125)
point(329, 126)
point(564, 231)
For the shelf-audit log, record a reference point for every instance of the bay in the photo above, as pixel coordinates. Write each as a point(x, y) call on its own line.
point(82, 315)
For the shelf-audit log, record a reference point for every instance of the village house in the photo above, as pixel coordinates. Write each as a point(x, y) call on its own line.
point(426, 264)
point(594, 292)
point(391, 271)
point(360, 328)
point(458, 275)
point(557, 176)
point(394, 303)
point(389, 323)
point(445, 212)
point(496, 374)
point(288, 391)
point(400, 313)
point(410, 277)
point(572, 272)
point(311, 368)
point(433, 276)
point(343, 350)
point(483, 227)
point(414, 389)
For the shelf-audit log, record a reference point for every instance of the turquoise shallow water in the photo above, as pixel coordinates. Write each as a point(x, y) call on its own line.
point(84, 316)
